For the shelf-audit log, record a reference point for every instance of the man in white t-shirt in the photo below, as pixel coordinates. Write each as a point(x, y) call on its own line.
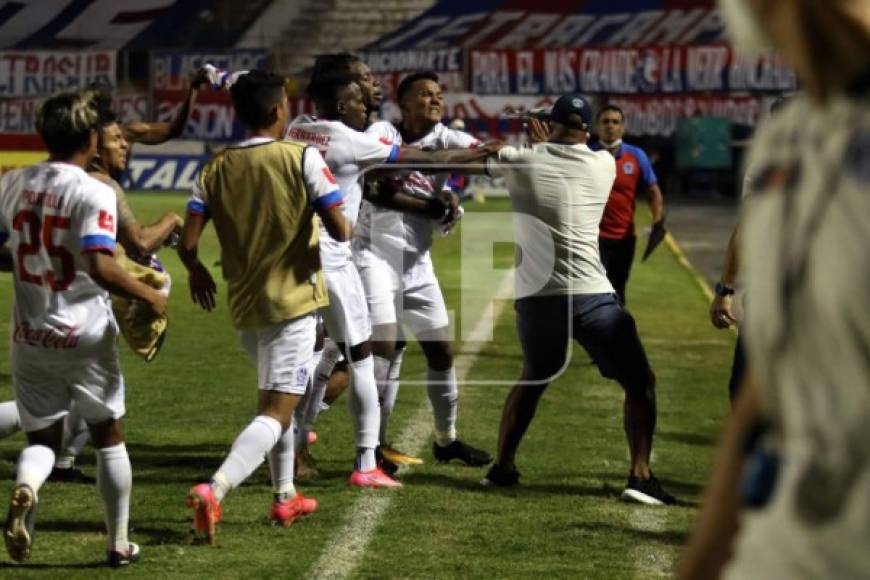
point(392, 252)
point(559, 189)
point(61, 226)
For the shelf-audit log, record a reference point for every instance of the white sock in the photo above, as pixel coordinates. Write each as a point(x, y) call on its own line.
point(365, 459)
point(363, 401)
point(34, 466)
point(248, 452)
point(311, 406)
point(301, 439)
point(10, 422)
point(382, 377)
point(115, 480)
point(444, 396)
point(281, 459)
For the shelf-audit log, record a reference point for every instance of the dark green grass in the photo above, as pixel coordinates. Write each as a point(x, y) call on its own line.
point(185, 409)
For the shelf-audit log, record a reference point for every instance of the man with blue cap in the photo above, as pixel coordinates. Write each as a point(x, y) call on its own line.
point(559, 188)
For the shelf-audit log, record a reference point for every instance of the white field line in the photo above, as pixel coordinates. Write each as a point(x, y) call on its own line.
point(346, 550)
point(650, 560)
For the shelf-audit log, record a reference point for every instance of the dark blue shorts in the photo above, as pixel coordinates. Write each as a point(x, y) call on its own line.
point(597, 321)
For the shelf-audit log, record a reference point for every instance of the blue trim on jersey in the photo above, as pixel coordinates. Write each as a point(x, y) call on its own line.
point(197, 207)
point(394, 154)
point(4, 237)
point(97, 242)
point(331, 199)
point(646, 170)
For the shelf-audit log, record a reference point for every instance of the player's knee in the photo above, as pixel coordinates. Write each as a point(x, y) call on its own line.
point(439, 355)
point(360, 351)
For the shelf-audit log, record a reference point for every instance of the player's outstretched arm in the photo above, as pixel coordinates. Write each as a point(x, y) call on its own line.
point(471, 161)
point(202, 286)
point(106, 272)
point(135, 238)
point(387, 193)
point(156, 133)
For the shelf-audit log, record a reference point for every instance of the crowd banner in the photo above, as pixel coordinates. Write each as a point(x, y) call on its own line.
point(534, 24)
point(635, 70)
point(162, 172)
point(213, 117)
point(660, 115)
point(26, 74)
point(390, 67)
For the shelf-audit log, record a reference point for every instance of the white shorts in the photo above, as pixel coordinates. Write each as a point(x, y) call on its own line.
point(412, 297)
point(282, 353)
point(347, 316)
point(47, 382)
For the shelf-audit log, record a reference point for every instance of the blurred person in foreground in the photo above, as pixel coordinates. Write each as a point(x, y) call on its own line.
point(804, 238)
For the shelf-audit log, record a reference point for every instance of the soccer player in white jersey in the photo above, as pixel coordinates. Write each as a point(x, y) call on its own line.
point(392, 251)
point(342, 114)
point(60, 224)
point(262, 196)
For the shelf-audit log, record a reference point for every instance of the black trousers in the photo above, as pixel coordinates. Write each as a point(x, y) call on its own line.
point(617, 257)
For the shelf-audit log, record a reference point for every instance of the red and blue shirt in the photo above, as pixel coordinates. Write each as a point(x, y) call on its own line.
point(633, 170)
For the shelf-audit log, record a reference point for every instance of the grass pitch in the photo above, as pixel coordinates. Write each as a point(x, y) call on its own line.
point(565, 520)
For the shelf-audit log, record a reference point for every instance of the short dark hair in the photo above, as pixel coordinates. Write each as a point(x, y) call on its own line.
point(325, 88)
point(606, 108)
point(65, 122)
point(334, 63)
point(104, 103)
point(254, 94)
point(409, 81)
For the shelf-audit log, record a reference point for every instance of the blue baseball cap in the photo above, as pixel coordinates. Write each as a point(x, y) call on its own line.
point(571, 109)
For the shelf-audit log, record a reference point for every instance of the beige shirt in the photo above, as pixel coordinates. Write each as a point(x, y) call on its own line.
point(806, 248)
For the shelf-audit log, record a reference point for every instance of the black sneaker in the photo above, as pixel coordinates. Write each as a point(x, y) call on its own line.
point(462, 452)
point(385, 464)
point(119, 559)
point(69, 475)
point(646, 491)
point(20, 522)
point(498, 477)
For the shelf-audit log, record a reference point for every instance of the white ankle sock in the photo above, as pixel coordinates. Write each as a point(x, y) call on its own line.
point(10, 422)
point(444, 397)
point(34, 466)
point(310, 410)
point(115, 481)
point(365, 459)
point(389, 392)
point(248, 452)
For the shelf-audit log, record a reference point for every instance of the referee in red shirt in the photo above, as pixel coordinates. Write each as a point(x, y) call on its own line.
point(617, 237)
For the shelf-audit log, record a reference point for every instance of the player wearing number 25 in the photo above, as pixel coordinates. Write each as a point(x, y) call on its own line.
point(60, 226)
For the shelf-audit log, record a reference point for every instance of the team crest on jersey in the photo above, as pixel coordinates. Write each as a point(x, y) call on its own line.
point(628, 168)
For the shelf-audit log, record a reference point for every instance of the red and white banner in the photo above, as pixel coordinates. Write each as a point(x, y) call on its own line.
point(42, 73)
point(658, 116)
point(632, 70)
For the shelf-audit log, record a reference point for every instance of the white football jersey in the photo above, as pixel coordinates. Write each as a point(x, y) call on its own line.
point(395, 229)
point(51, 215)
point(347, 152)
